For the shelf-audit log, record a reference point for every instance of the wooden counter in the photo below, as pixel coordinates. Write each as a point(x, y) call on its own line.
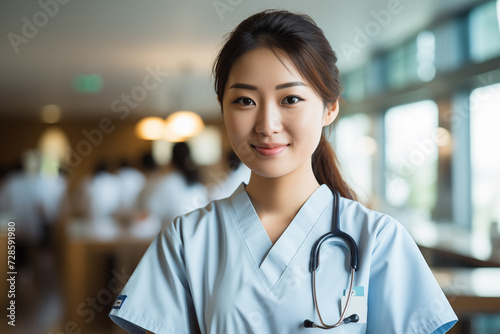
point(471, 290)
point(96, 267)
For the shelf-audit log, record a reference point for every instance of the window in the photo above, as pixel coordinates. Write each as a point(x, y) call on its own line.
point(396, 67)
point(484, 32)
point(485, 159)
point(376, 79)
point(449, 45)
point(413, 61)
point(411, 139)
point(354, 148)
point(354, 84)
point(426, 51)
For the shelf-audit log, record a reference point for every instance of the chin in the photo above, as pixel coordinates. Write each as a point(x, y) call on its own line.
point(270, 172)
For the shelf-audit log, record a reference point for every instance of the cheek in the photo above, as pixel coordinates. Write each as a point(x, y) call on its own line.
point(235, 127)
point(306, 129)
point(238, 133)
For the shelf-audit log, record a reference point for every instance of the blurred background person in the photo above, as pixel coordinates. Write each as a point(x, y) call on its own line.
point(101, 198)
point(131, 181)
point(235, 173)
point(181, 190)
point(22, 197)
point(152, 177)
point(22, 202)
point(54, 203)
point(147, 223)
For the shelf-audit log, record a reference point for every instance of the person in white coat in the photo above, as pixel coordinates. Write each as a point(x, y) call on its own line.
point(101, 196)
point(22, 202)
point(181, 190)
point(132, 181)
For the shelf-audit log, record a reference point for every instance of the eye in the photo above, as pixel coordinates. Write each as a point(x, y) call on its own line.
point(292, 99)
point(244, 101)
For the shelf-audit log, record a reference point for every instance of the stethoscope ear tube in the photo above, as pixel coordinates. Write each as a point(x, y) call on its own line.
point(336, 233)
point(353, 249)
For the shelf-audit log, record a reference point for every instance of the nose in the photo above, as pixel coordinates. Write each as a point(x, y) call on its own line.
point(268, 120)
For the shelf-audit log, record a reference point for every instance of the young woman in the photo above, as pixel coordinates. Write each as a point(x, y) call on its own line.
point(243, 264)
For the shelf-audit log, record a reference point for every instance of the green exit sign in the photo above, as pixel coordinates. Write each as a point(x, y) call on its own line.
point(87, 83)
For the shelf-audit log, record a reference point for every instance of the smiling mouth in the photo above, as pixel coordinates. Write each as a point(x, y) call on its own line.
point(269, 151)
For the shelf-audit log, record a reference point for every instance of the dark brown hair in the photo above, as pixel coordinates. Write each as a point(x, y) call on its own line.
point(297, 36)
point(181, 158)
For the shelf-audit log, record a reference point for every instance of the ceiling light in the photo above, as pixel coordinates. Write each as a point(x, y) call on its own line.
point(183, 125)
point(51, 113)
point(150, 128)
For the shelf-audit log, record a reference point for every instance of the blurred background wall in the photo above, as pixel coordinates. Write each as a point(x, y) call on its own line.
point(95, 98)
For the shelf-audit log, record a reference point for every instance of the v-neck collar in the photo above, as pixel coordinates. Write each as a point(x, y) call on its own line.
point(271, 259)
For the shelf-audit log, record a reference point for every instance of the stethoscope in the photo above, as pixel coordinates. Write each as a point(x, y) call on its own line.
point(353, 249)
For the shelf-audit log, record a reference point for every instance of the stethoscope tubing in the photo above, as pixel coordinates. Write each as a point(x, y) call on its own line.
point(353, 263)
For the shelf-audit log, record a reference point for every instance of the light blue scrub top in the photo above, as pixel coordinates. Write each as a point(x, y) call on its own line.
point(215, 270)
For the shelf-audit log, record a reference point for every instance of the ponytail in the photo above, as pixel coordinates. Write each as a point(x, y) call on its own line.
point(326, 169)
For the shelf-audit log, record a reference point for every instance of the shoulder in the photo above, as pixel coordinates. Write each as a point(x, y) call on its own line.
point(361, 216)
point(376, 232)
point(197, 223)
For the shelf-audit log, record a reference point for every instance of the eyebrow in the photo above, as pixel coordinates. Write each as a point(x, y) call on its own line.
point(290, 84)
point(285, 85)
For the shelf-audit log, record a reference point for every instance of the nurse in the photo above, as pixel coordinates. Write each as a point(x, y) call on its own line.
point(242, 264)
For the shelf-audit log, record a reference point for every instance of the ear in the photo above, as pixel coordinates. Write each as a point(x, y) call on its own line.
point(331, 112)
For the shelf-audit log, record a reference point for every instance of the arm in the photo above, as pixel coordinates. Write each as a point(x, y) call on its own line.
point(401, 278)
point(158, 284)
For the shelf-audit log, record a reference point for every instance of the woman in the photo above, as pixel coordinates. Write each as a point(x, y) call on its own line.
point(241, 264)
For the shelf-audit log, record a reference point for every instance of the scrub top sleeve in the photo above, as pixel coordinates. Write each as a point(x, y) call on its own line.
point(157, 297)
point(404, 296)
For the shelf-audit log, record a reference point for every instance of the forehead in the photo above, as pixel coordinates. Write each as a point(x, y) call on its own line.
point(262, 66)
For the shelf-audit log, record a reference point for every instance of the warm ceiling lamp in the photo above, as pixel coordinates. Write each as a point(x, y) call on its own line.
point(51, 113)
point(182, 125)
point(150, 128)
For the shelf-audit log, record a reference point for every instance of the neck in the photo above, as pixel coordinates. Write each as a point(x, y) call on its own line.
point(282, 196)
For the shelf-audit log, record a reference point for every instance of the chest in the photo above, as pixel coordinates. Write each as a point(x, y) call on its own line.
point(275, 226)
point(251, 276)
point(242, 300)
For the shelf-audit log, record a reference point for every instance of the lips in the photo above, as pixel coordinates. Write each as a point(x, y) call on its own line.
point(269, 150)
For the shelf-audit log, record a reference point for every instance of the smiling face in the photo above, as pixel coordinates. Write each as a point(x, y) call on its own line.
point(273, 117)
